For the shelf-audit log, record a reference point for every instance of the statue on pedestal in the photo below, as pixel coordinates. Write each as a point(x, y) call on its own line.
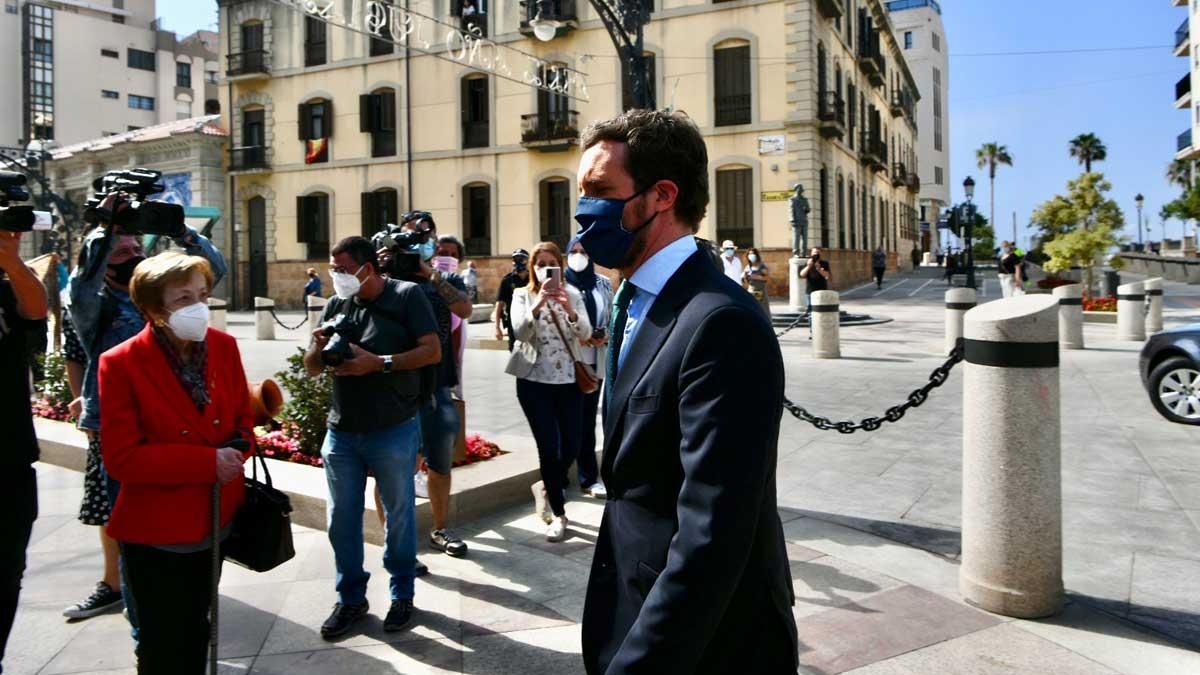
point(799, 221)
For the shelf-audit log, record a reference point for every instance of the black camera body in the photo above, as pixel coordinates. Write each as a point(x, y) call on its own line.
point(19, 218)
point(400, 259)
point(342, 332)
point(141, 215)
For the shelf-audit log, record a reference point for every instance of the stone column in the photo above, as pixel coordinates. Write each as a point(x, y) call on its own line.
point(315, 305)
point(927, 259)
point(217, 313)
point(1131, 312)
point(1070, 316)
point(796, 299)
point(1012, 489)
point(264, 323)
point(958, 301)
point(1154, 293)
point(826, 325)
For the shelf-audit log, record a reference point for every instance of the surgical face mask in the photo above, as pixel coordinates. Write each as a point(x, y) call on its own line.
point(729, 252)
point(345, 285)
point(190, 323)
point(753, 258)
point(427, 249)
point(123, 272)
point(578, 262)
point(601, 231)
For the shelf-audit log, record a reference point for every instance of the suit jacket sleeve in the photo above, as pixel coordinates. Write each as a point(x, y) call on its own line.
point(728, 450)
point(127, 454)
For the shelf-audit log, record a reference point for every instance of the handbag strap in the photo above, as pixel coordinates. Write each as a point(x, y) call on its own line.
point(562, 335)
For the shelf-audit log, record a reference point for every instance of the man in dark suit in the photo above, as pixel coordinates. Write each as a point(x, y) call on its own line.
point(690, 573)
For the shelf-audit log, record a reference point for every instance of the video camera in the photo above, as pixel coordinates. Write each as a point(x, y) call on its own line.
point(401, 258)
point(19, 218)
point(141, 215)
point(341, 332)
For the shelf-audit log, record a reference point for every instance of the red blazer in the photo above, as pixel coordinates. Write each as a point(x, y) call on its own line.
point(161, 448)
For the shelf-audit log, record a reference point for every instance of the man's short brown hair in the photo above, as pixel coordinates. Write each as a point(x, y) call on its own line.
point(152, 276)
point(663, 145)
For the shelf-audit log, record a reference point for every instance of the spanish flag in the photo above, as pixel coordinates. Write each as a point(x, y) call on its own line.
point(316, 151)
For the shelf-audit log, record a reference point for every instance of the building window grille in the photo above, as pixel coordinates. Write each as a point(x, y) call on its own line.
point(735, 206)
point(732, 85)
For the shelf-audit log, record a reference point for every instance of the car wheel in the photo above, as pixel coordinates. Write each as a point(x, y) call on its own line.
point(1175, 390)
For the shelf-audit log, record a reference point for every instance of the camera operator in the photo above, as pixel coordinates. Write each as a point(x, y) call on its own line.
point(104, 316)
point(447, 294)
point(373, 422)
point(22, 316)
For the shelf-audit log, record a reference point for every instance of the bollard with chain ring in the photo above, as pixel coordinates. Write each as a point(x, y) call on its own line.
point(918, 396)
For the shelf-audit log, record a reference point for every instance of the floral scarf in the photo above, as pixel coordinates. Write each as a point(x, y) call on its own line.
point(190, 373)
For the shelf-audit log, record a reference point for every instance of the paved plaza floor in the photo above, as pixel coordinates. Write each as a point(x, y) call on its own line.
point(872, 522)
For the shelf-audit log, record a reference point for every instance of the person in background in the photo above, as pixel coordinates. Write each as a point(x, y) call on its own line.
point(517, 278)
point(733, 264)
point(916, 258)
point(817, 275)
point(448, 257)
point(757, 276)
point(878, 265)
point(23, 309)
point(1010, 271)
point(313, 285)
point(937, 252)
point(471, 279)
point(175, 400)
point(597, 292)
point(549, 319)
point(951, 267)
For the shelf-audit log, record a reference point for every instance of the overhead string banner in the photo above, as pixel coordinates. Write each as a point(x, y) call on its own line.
point(427, 35)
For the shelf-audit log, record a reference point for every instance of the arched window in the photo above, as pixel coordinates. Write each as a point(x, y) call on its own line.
point(377, 116)
point(252, 154)
point(312, 224)
point(253, 57)
point(380, 208)
point(477, 218)
point(475, 115)
point(555, 202)
point(731, 83)
point(735, 205)
point(315, 122)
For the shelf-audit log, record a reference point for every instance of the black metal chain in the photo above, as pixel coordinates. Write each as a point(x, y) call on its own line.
point(795, 324)
point(936, 379)
point(284, 325)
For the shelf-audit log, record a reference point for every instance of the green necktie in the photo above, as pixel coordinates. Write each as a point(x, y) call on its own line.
point(616, 331)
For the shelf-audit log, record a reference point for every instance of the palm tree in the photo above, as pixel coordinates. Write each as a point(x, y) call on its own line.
point(1088, 148)
point(1179, 172)
point(990, 156)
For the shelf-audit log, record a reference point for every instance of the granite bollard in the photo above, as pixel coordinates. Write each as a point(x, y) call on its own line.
point(1131, 312)
point(315, 305)
point(217, 314)
point(958, 302)
point(1070, 316)
point(825, 318)
point(1012, 486)
point(1154, 296)
point(264, 320)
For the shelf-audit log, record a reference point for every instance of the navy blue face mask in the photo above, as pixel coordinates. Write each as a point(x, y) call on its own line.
point(600, 230)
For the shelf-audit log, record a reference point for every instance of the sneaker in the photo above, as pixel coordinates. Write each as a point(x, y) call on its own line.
point(398, 616)
point(342, 618)
point(421, 569)
point(102, 599)
point(421, 485)
point(596, 490)
point(446, 542)
point(541, 506)
point(557, 531)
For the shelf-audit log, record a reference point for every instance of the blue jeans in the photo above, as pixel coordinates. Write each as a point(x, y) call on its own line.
point(390, 454)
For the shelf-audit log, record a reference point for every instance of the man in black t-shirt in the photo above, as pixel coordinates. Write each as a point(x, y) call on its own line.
point(373, 425)
point(517, 278)
point(817, 276)
point(22, 315)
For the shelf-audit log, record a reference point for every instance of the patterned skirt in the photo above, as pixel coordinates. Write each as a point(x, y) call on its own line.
point(94, 510)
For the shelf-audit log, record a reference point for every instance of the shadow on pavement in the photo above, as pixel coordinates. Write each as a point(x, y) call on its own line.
point(1182, 627)
point(945, 543)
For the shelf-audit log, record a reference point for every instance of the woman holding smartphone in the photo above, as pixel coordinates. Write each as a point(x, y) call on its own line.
point(597, 292)
point(550, 320)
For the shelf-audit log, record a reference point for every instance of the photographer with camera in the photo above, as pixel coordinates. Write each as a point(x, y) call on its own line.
point(376, 335)
point(22, 315)
point(104, 315)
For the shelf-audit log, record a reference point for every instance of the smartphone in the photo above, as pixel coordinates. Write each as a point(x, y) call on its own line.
point(553, 278)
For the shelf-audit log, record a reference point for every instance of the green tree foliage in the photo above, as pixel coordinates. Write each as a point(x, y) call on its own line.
point(1185, 208)
point(308, 402)
point(1088, 148)
point(1179, 172)
point(1080, 227)
point(983, 239)
point(990, 156)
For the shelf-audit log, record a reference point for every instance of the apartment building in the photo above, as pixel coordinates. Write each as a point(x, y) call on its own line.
point(335, 133)
point(77, 70)
point(918, 26)
point(1187, 45)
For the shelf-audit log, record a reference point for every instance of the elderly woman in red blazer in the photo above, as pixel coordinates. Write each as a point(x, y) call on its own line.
point(174, 396)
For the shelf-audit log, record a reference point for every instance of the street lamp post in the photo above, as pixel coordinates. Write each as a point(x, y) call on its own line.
point(625, 21)
point(1140, 201)
point(969, 229)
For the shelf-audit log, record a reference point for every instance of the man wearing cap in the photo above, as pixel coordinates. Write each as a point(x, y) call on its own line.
point(518, 277)
point(733, 264)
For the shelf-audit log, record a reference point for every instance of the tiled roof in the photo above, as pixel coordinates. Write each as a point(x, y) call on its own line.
point(206, 125)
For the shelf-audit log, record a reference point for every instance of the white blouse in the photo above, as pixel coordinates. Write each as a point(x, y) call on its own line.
point(555, 363)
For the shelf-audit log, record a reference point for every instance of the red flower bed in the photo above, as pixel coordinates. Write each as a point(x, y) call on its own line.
point(479, 449)
point(1054, 282)
point(1108, 304)
point(51, 411)
point(280, 444)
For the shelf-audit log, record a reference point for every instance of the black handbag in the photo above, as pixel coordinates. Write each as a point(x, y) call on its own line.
point(261, 538)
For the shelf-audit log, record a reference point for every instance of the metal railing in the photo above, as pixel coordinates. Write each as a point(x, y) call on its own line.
point(248, 157)
point(554, 125)
point(899, 174)
point(249, 62)
point(1183, 87)
point(831, 107)
point(1184, 141)
point(1181, 34)
point(560, 10)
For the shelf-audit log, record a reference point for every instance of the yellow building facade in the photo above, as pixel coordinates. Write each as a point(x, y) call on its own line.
point(334, 133)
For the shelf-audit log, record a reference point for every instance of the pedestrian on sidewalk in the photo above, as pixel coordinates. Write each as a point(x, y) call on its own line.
point(733, 264)
point(1011, 281)
point(23, 309)
point(817, 275)
point(517, 278)
point(951, 267)
point(937, 252)
point(916, 258)
point(175, 399)
point(373, 425)
point(878, 265)
point(313, 285)
point(597, 292)
point(690, 572)
point(756, 278)
point(549, 318)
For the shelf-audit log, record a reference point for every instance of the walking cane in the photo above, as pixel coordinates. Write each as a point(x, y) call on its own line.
point(215, 600)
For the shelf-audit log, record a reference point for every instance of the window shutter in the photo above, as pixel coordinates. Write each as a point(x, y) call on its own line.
point(387, 111)
point(304, 121)
point(366, 121)
point(465, 100)
point(389, 203)
point(302, 219)
point(369, 217)
point(544, 211)
point(328, 109)
point(321, 221)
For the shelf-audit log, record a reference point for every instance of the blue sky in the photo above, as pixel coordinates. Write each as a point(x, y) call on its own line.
point(1034, 104)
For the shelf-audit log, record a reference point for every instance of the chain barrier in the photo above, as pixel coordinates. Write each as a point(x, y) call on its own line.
point(795, 324)
point(284, 325)
point(936, 379)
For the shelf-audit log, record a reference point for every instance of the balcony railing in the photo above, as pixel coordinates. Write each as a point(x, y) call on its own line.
point(913, 182)
point(832, 9)
point(902, 104)
point(871, 150)
point(252, 62)
point(248, 158)
point(1181, 34)
point(560, 10)
point(870, 57)
point(1184, 141)
point(831, 112)
point(899, 174)
point(1183, 87)
point(550, 130)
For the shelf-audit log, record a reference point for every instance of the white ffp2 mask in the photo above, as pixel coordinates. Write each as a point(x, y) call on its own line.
point(190, 323)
